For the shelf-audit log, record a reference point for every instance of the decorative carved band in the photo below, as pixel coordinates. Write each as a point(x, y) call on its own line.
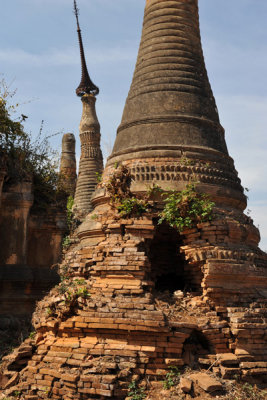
point(178, 172)
point(90, 136)
point(91, 152)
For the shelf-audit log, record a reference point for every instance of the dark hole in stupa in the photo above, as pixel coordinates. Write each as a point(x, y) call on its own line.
point(195, 347)
point(169, 270)
point(167, 264)
point(170, 282)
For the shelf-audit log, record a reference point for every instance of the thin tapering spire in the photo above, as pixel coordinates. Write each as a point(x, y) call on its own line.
point(86, 85)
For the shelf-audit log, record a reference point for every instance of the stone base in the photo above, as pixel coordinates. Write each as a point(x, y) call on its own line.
point(112, 320)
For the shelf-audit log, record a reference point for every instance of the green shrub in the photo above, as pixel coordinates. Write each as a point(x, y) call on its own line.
point(185, 209)
point(172, 378)
point(98, 177)
point(153, 190)
point(62, 288)
point(16, 393)
point(80, 281)
point(32, 335)
point(132, 207)
point(70, 203)
point(82, 292)
point(66, 242)
point(187, 161)
point(26, 158)
point(49, 311)
point(136, 393)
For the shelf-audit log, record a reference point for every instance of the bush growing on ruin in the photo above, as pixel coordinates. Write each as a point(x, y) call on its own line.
point(25, 158)
point(186, 208)
point(121, 196)
point(135, 392)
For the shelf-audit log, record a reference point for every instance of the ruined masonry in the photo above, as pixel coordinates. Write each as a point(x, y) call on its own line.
point(111, 321)
point(68, 163)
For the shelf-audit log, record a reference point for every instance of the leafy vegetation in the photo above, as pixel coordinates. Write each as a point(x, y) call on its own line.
point(66, 242)
point(73, 222)
point(64, 271)
point(49, 311)
point(98, 177)
point(32, 335)
point(62, 288)
point(118, 186)
point(28, 159)
point(73, 293)
point(172, 378)
point(73, 289)
point(186, 208)
point(187, 161)
point(135, 392)
point(70, 203)
point(121, 196)
point(132, 206)
point(182, 209)
point(154, 190)
point(16, 393)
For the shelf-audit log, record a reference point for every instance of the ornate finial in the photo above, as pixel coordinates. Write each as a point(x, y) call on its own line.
point(86, 85)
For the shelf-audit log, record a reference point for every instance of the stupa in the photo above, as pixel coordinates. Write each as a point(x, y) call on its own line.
point(91, 160)
point(68, 163)
point(139, 297)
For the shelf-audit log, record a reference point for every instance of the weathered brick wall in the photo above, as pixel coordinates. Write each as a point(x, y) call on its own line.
point(30, 245)
point(119, 329)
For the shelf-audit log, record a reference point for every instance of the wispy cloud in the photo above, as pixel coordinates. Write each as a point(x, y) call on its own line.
point(65, 57)
point(242, 73)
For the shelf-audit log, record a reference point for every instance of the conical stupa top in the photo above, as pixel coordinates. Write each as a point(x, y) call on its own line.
point(170, 131)
point(170, 102)
point(86, 85)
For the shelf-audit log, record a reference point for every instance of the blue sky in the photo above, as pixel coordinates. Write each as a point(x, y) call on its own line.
point(39, 52)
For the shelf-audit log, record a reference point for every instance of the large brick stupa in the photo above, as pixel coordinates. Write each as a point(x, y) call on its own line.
point(139, 296)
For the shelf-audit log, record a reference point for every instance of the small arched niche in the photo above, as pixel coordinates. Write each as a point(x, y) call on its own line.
point(196, 346)
point(169, 270)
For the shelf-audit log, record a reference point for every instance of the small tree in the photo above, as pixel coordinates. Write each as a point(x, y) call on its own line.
point(28, 159)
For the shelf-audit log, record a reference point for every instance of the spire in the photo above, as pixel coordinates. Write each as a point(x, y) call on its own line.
point(86, 85)
point(170, 113)
point(170, 88)
point(68, 163)
point(91, 160)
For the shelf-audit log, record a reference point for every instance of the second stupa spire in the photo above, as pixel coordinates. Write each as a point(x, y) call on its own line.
point(91, 160)
point(86, 85)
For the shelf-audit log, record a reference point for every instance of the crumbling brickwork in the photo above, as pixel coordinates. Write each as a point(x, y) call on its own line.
point(119, 327)
point(138, 297)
